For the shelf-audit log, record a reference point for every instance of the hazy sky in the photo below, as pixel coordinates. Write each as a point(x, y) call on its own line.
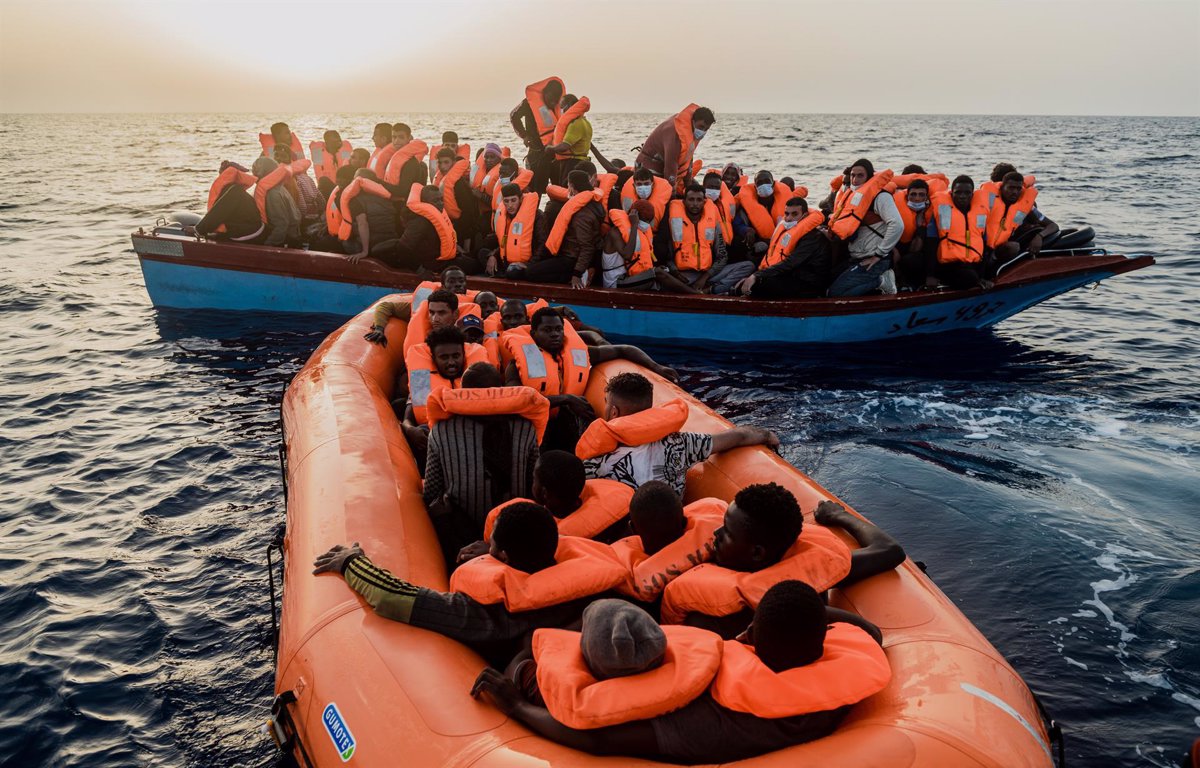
point(1139, 57)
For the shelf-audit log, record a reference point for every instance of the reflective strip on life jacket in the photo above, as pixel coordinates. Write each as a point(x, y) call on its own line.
point(545, 116)
point(1004, 219)
point(660, 195)
point(693, 240)
point(515, 237)
point(960, 236)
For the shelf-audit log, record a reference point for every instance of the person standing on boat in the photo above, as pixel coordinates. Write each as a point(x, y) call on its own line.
point(796, 264)
point(865, 223)
point(576, 139)
point(534, 120)
point(670, 148)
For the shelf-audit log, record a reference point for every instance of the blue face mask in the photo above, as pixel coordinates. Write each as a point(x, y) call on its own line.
point(699, 134)
point(917, 206)
point(765, 190)
point(643, 190)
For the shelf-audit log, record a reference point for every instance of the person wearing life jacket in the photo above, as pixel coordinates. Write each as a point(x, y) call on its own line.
point(719, 195)
point(534, 120)
point(459, 201)
point(552, 358)
point(281, 135)
point(232, 213)
point(440, 308)
point(429, 241)
point(792, 678)
point(796, 264)
point(644, 185)
point(669, 150)
point(915, 257)
point(573, 242)
point(459, 151)
point(360, 158)
point(437, 363)
point(519, 231)
point(865, 226)
point(668, 538)
point(572, 139)
point(635, 441)
point(328, 155)
point(531, 578)
point(381, 137)
point(760, 207)
point(277, 206)
point(605, 185)
point(1014, 222)
point(303, 190)
point(482, 449)
point(959, 219)
point(627, 256)
point(402, 164)
point(367, 205)
point(693, 248)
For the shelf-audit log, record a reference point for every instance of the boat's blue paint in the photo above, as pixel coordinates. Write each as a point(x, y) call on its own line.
point(183, 286)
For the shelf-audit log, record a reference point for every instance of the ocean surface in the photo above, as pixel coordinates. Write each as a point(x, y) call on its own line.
point(1048, 472)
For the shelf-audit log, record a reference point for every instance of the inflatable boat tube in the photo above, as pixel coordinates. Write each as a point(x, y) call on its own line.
point(354, 687)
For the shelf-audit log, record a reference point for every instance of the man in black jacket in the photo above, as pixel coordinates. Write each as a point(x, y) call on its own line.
point(802, 274)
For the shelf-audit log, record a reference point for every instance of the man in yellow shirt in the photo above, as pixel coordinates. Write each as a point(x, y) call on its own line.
point(577, 142)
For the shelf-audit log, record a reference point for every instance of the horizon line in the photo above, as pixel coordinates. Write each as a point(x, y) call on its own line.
point(7, 113)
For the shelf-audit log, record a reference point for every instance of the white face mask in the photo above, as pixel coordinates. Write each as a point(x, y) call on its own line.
point(918, 206)
point(643, 190)
point(788, 224)
point(699, 134)
point(765, 190)
point(644, 226)
point(713, 194)
point(854, 187)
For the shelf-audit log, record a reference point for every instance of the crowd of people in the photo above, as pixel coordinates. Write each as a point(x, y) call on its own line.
point(664, 223)
point(617, 619)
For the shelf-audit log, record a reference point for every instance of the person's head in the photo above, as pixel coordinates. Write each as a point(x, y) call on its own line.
point(588, 167)
point(525, 537)
point(401, 135)
point(1011, 187)
point(918, 194)
point(472, 328)
point(644, 210)
point(510, 197)
point(553, 93)
point(656, 515)
point(558, 479)
point(282, 135)
point(912, 168)
point(546, 328)
point(454, 279)
point(366, 173)
point(359, 158)
point(794, 209)
point(442, 308)
point(333, 141)
point(568, 101)
point(1000, 170)
point(731, 174)
point(513, 314)
point(344, 175)
point(788, 182)
point(789, 626)
point(961, 191)
point(450, 142)
point(861, 172)
point(445, 159)
point(764, 184)
point(761, 523)
point(431, 194)
point(693, 200)
point(281, 153)
point(492, 156)
point(509, 168)
point(263, 166)
point(626, 394)
point(482, 376)
point(488, 303)
point(446, 347)
point(712, 186)
point(702, 119)
point(643, 183)
point(382, 135)
point(619, 639)
point(578, 181)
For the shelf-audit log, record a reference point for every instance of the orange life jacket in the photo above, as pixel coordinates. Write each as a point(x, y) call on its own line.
point(426, 287)
point(783, 241)
point(447, 238)
point(413, 150)
point(687, 147)
point(490, 401)
point(602, 503)
point(503, 336)
point(326, 163)
point(573, 206)
point(909, 216)
point(582, 568)
point(479, 171)
point(447, 181)
point(960, 237)
point(760, 218)
point(493, 186)
point(357, 187)
point(462, 153)
point(1004, 219)
point(660, 195)
point(604, 186)
point(639, 428)
point(575, 698)
point(424, 379)
point(515, 235)
point(268, 146)
point(333, 213)
point(693, 240)
point(281, 175)
point(545, 116)
point(818, 558)
point(936, 181)
point(643, 255)
point(727, 207)
point(992, 188)
point(852, 206)
point(566, 374)
point(852, 668)
point(648, 575)
point(228, 177)
point(380, 159)
point(418, 323)
point(573, 113)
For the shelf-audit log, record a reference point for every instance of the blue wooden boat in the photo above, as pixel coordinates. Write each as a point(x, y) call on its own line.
point(183, 272)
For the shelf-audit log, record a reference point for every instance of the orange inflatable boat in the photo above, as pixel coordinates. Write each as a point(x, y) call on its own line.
point(354, 688)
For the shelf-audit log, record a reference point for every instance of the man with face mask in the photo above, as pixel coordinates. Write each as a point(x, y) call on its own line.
point(866, 223)
point(670, 148)
point(915, 254)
